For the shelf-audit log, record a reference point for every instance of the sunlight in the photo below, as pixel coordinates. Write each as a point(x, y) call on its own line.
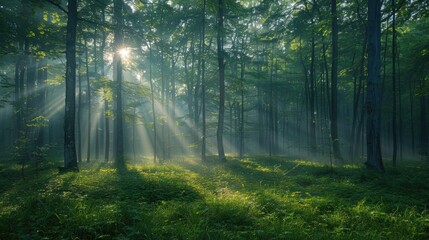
point(124, 53)
point(55, 106)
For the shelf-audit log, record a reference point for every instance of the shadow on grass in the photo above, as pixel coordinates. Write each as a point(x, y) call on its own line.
point(153, 188)
point(348, 184)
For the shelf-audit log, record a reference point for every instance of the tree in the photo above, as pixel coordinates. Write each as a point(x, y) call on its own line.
point(221, 64)
point(334, 75)
point(119, 125)
point(70, 160)
point(88, 95)
point(373, 97)
point(394, 125)
point(203, 83)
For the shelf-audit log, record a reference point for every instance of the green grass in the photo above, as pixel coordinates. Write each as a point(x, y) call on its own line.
point(253, 198)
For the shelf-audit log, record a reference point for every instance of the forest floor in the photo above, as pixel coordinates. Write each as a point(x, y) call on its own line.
point(252, 198)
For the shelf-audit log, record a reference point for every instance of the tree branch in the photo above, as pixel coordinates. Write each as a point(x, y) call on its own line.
point(57, 5)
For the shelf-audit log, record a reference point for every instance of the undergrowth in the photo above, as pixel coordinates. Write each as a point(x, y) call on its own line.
point(252, 198)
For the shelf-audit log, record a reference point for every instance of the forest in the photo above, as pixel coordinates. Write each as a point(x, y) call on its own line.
point(214, 119)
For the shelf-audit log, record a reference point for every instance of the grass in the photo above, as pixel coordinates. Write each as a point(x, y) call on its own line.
point(252, 198)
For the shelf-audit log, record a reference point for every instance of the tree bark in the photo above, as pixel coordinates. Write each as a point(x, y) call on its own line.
point(106, 102)
point(424, 152)
point(155, 138)
point(79, 112)
point(334, 91)
point(42, 76)
point(88, 96)
point(203, 84)
point(394, 124)
point(373, 97)
point(118, 36)
point(221, 64)
point(311, 95)
point(70, 161)
point(99, 120)
point(242, 72)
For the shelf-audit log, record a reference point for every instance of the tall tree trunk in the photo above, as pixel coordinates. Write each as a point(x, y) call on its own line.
point(220, 55)
point(270, 68)
point(411, 97)
point(172, 110)
point(155, 138)
point(373, 97)
point(98, 121)
point(42, 76)
point(394, 124)
point(203, 84)
point(70, 161)
point(163, 106)
point(306, 93)
point(134, 131)
point(401, 123)
point(243, 67)
point(311, 95)
point(424, 152)
point(118, 41)
point(79, 112)
point(88, 96)
point(106, 102)
point(188, 83)
point(334, 91)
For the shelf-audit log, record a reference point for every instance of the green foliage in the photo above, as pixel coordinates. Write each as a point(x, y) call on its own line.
point(253, 198)
point(38, 122)
point(56, 80)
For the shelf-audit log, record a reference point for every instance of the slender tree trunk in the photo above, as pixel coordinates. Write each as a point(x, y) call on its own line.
point(155, 138)
point(243, 67)
point(327, 85)
point(423, 124)
point(311, 94)
point(118, 36)
point(97, 122)
point(306, 93)
point(203, 84)
point(373, 97)
point(193, 97)
point(134, 132)
point(270, 66)
point(188, 83)
point(334, 91)
point(42, 76)
point(172, 138)
point(79, 112)
point(394, 124)
point(401, 123)
point(70, 161)
point(88, 96)
point(220, 54)
point(163, 108)
point(106, 130)
point(106, 102)
point(411, 97)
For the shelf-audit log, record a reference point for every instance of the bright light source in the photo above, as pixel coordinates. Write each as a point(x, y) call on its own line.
point(124, 53)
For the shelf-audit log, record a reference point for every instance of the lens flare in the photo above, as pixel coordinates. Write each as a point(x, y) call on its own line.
point(124, 53)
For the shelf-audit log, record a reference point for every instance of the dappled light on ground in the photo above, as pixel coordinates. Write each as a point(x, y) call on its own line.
point(252, 198)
